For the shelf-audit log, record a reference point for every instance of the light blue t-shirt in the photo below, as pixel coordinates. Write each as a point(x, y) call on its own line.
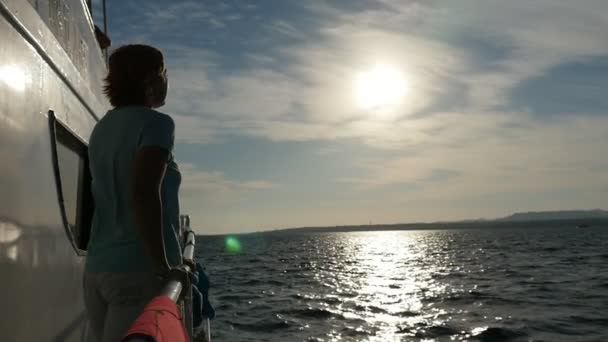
point(115, 245)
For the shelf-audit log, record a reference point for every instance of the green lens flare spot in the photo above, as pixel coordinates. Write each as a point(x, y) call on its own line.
point(233, 245)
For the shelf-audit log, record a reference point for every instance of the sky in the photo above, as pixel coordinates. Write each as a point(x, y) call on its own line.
point(502, 107)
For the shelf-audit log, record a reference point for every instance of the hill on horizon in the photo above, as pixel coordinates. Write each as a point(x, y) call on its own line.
point(519, 219)
point(556, 215)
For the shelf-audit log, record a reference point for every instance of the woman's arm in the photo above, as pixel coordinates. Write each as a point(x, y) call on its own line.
point(148, 173)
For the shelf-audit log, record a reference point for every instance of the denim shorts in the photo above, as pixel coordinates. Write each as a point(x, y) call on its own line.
point(114, 300)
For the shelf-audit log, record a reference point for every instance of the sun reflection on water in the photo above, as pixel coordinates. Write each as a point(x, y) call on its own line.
point(386, 286)
point(391, 286)
point(391, 283)
point(385, 280)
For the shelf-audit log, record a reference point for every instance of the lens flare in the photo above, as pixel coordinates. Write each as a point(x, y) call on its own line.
point(233, 245)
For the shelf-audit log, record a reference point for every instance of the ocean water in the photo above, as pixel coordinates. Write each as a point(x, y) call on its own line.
point(548, 284)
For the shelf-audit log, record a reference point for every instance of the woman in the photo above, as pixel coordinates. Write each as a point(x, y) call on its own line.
point(135, 184)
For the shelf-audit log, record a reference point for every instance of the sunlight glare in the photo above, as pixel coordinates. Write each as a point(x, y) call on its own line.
point(13, 76)
point(381, 86)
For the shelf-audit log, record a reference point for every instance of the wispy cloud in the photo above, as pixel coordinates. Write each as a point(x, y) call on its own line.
point(313, 79)
point(543, 156)
point(215, 183)
point(464, 131)
point(308, 86)
point(283, 27)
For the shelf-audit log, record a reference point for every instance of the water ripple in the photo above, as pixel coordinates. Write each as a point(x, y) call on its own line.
point(461, 285)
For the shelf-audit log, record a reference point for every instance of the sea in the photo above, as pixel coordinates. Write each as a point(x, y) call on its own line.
point(507, 284)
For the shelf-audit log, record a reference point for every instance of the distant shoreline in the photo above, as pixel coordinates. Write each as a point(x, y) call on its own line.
point(590, 222)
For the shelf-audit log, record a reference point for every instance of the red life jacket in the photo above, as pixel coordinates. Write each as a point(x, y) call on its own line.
point(161, 320)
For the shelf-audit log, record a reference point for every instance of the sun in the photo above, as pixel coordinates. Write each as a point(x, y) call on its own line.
point(380, 87)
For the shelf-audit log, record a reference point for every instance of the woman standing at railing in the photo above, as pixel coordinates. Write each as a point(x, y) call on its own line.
point(135, 184)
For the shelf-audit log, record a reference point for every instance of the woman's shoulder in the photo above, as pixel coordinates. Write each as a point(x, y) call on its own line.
point(160, 122)
point(155, 117)
point(161, 116)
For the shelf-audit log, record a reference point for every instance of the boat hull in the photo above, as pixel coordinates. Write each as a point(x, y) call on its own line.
point(40, 271)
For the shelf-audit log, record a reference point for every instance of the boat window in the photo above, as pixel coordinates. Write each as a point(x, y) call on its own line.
point(73, 180)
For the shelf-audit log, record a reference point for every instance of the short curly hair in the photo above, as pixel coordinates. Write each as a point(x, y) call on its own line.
point(133, 71)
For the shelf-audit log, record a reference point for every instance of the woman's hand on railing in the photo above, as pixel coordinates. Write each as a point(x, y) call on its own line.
point(180, 273)
point(191, 264)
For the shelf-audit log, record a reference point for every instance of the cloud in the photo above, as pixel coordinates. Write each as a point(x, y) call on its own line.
point(214, 186)
point(303, 91)
point(541, 35)
point(310, 97)
point(566, 89)
point(283, 27)
point(529, 159)
point(182, 15)
point(470, 129)
point(311, 88)
point(217, 203)
point(191, 129)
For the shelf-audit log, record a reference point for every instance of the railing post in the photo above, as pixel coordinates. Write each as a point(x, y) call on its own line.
point(189, 244)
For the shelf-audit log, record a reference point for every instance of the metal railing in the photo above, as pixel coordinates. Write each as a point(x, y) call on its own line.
point(176, 284)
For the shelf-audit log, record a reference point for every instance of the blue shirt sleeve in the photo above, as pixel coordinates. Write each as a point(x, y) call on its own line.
point(160, 132)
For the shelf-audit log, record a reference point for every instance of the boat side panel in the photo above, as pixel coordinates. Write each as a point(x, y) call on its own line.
point(66, 55)
point(41, 287)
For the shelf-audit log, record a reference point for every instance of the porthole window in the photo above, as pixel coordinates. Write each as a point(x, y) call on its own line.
point(73, 181)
